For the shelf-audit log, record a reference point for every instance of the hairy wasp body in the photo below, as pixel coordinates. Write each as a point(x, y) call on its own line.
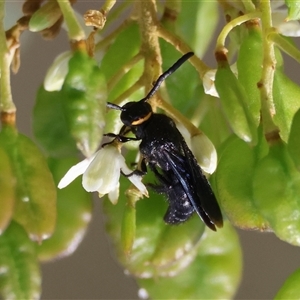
point(165, 152)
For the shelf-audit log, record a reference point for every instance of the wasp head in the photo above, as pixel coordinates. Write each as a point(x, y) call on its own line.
point(136, 113)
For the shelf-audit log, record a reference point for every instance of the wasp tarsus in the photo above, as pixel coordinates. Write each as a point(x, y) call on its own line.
point(165, 152)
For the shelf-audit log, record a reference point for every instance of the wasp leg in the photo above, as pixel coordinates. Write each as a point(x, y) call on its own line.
point(120, 136)
point(163, 179)
point(140, 172)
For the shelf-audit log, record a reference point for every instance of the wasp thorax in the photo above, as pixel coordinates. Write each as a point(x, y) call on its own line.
point(136, 113)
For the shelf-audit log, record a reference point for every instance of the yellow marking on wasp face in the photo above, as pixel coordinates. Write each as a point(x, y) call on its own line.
point(142, 120)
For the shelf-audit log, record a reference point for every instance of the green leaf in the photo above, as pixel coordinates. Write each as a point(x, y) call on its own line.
point(197, 31)
point(290, 288)
point(294, 140)
point(74, 210)
point(293, 9)
point(213, 123)
point(214, 274)
point(20, 275)
point(286, 96)
point(249, 66)
point(7, 190)
point(234, 101)
point(175, 247)
point(128, 39)
point(50, 126)
point(84, 102)
point(128, 228)
point(35, 207)
point(276, 189)
point(233, 180)
point(182, 86)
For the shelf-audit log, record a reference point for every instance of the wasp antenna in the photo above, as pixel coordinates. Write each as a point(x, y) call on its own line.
point(167, 73)
point(114, 106)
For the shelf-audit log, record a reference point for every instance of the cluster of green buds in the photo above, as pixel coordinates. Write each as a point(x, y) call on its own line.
point(247, 107)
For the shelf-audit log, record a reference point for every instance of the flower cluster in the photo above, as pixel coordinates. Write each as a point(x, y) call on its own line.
point(290, 28)
point(101, 173)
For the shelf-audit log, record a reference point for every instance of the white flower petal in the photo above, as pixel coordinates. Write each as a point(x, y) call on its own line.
point(136, 180)
point(113, 195)
point(205, 152)
point(185, 133)
point(287, 28)
point(103, 173)
point(57, 73)
point(202, 148)
point(74, 172)
point(209, 83)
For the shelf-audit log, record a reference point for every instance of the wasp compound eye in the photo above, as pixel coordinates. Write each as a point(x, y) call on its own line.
point(135, 113)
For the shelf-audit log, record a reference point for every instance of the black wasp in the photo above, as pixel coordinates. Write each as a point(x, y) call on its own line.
point(165, 151)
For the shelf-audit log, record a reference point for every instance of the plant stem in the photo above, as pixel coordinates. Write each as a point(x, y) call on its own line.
point(148, 24)
point(75, 32)
point(249, 6)
point(181, 46)
point(229, 26)
point(136, 86)
point(177, 116)
point(108, 39)
point(123, 70)
point(269, 62)
point(284, 45)
point(107, 6)
point(116, 12)
point(6, 102)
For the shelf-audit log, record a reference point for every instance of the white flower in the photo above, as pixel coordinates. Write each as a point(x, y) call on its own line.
point(57, 73)
point(101, 173)
point(209, 80)
point(205, 152)
point(284, 27)
point(209, 83)
point(202, 148)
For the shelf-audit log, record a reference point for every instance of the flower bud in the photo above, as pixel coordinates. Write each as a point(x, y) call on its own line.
point(234, 101)
point(205, 152)
point(45, 17)
point(56, 74)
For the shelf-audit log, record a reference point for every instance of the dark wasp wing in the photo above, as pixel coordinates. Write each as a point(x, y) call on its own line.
point(195, 185)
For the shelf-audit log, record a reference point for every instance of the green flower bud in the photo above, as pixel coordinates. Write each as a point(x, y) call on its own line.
point(234, 102)
point(276, 189)
point(45, 17)
point(214, 274)
point(84, 102)
point(291, 288)
point(35, 205)
point(249, 65)
point(20, 273)
point(286, 94)
point(56, 74)
point(233, 180)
